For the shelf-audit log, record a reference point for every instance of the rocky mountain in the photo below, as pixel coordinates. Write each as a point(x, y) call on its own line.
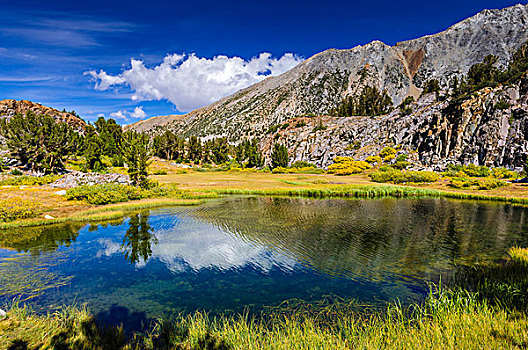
point(319, 83)
point(9, 108)
point(491, 128)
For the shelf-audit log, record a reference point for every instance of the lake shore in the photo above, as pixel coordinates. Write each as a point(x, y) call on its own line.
point(490, 316)
point(197, 186)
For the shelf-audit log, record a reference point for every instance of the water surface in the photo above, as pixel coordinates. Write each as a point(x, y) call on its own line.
point(238, 253)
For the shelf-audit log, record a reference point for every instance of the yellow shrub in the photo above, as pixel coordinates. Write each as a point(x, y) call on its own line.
point(389, 158)
point(347, 166)
point(373, 159)
point(17, 208)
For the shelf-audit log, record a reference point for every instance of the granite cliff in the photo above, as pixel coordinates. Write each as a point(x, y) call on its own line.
point(480, 134)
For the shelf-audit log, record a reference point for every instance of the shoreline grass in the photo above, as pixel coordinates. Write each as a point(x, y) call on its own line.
point(453, 319)
point(369, 191)
point(103, 213)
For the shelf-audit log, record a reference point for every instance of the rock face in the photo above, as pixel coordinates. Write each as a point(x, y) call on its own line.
point(317, 85)
point(479, 134)
point(433, 135)
point(9, 108)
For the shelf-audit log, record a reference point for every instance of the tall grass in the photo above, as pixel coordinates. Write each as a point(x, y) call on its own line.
point(369, 191)
point(454, 318)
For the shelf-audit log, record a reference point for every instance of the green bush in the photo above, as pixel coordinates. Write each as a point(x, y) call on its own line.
point(159, 172)
point(105, 194)
point(401, 164)
point(29, 180)
point(503, 173)
point(373, 159)
point(387, 151)
point(17, 208)
point(398, 176)
point(303, 164)
point(489, 184)
point(16, 172)
point(470, 170)
point(462, 182)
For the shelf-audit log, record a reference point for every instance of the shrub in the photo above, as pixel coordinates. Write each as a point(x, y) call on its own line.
point(29, 180)
point(348, 166)
point(16, 172)
point(489, 184)
point(503, 173)
point(402, 158)
point(461, 182)
point(401, 164)
point(300, 124)
point(387, 151)
point(104, 194)
point(389, 158)
point(159, 172)
point(469, 170)
point(398, 176)
point(303, 164)
point(295, 170)
point(373, 160)
point(17, 208)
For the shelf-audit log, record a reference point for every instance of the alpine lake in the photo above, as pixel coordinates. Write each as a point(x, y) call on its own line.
point(248, 254)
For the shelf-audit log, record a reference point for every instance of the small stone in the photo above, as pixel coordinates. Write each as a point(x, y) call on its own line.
point(3, 314)
point(61, 192)
point(49, 217)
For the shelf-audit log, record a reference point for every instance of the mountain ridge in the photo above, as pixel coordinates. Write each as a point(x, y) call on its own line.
point(401, 69)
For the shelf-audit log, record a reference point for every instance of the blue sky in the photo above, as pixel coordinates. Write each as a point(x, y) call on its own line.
point(136, 59)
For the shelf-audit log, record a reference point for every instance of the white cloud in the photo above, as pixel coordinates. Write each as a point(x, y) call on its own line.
point(119, 115)
point(137, 113)
point(190, 82)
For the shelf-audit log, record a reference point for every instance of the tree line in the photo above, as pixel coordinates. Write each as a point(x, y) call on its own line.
point(43, 144)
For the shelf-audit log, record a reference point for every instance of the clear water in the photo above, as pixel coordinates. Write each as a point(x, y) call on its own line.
point(245, 253)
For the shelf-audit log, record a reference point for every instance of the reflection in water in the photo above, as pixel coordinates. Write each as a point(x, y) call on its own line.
point(138, 239)
point(252, 252)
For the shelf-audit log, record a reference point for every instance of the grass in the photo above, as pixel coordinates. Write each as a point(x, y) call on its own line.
point(106, 212)
point(452, 318)
point(329, 186)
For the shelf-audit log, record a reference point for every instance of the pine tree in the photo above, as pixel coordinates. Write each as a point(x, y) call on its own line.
point(137, 152)
point(93, 152)
point(39, 142)
point(279, 156)
point(195, 149)
point(220, 150)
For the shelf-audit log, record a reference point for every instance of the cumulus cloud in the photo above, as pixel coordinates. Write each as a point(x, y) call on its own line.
point(137, 113)
point(189, 81)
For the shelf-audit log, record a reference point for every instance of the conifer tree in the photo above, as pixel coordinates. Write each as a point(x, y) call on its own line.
point(137, 152)
point(93, 152)
point(39, 142)
point(279, 156)
point(195, 149)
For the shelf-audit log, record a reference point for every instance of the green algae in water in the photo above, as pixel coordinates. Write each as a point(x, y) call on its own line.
point(24, 277)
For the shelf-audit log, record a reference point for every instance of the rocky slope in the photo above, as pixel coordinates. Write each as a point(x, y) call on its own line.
point(480, 134)
point(320, 82)
point(9, 108)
